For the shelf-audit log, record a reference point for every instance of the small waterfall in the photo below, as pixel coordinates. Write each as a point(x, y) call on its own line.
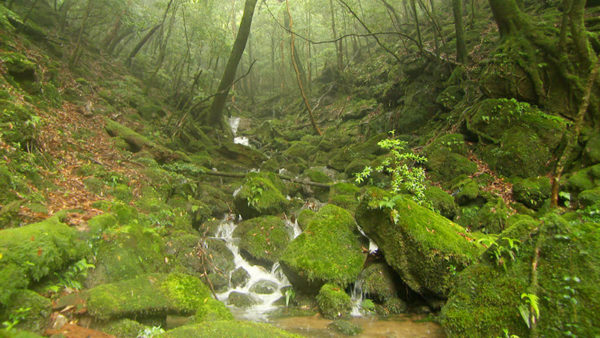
point(234, 123)
point(294, 227)
point(357, 299)
point(372, 245)
point(257, 273)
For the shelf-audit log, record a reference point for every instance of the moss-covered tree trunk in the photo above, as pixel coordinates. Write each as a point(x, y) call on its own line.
point(461, 47)
point(508, 16)
point(215, 115)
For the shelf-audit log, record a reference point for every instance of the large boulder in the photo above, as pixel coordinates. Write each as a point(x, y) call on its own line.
point(261, 194)
point(334, 302)
point(329, 250)
point(447, 158)
point(532, 192)
point(423, 247)
point(515, 138)
point(263, 239)
point(32, 252)
point(153, 295)
point(488, 295)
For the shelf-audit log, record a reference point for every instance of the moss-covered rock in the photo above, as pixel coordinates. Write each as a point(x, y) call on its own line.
point(33, 252)
point(264, 287)
point(591, 152)
point(580, 180)
point(35, 309)
point(260, 196)
point(466, 191)
point(446, 158)
point(304, 218)
point(344, 195)
point(228, 328)
point(125, 251)
point(345, 327)
point(423, 247)
point(532, 191)
point(329, 250)
point(487, 295)
point(516, 139)
point(441, 201)
point(148, 295)
point(125, 328)
point(213, 310)
point(334, 302)
point(378, 282)
point(262, 239)
point(239, 277)
point(318, 175)
point(492, 217)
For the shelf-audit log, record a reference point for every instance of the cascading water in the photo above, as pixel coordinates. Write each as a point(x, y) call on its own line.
point(258, 274)
point(357, 299)
point(234, 123)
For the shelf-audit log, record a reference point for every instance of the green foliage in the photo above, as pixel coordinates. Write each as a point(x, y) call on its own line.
point(530, 309)
point(72, 277)
point(501, 249)
point(151, 332)
point(6, 15)
point(402, 165)
point(15, 318)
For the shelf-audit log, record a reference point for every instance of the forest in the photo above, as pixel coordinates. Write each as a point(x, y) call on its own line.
point(287, 168)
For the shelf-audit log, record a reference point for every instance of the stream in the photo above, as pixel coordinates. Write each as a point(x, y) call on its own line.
point(408, 325)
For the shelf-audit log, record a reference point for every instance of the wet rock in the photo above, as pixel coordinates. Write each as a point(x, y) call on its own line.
point(264, 287)
point(377, 281)
point(329, 250)
point(126, 328)
point(334, 302)
point(423, 247)
point(239, 299)
point(239, 277)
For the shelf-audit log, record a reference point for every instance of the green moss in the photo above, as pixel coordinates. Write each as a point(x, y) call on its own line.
point(148, 295)
point(591, 152)
point(18, 125)
point(580, 180)
point(32, 252)
point(213, 310)
point(334, 302)
point(304, 218)
point(356, 166)
point(441, 201)
point(532, 191)
point(589, 197)
point(241, 300)
point(344, 195)
point(345, 327)
point(18, 334)
point(467, 191)
point(263, 239)
point(122, 192)
point(259, 196)
point(444, 166)
point(378, 283)
point(328, 250)
point(125, 328)
point(423, 247)
point(449, 143)
point(486, 298)
point(37, 317)
point(94, 184)
point(228, 329)
point(492, 217)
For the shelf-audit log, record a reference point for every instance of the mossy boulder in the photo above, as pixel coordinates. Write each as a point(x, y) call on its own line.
point(334, 302)
point(466, 191)
point(125, 328)
point(304, 218)
point(264, 287)
point(148, 295)
point(344, 195)
point(532, 192)
point(487, 295)
point(32, 252)
point(263, 239)
point(260, 196)
point(317, 175)
point(441, 201)
point(228, 328)
point(239, 277)
point(125, 251)
point(378, 282)
point(446, 158)
point(581, 180)
point(18, 124)
point(38, 310)
point(329, 250)
point(423, 247)
point(213, 310)
point(516, 139)
point(492, 217)
point(591, 152)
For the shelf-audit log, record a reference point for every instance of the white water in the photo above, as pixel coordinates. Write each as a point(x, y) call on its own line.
point(257, 273)
point(234, 123)
point(372, 245)
point(357, 298)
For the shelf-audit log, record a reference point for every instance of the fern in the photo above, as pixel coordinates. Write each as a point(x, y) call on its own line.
point(6, 16)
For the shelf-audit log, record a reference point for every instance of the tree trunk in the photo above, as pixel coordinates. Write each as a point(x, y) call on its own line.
point(75, 56)
point(508, 16)
point(298, 75)
point(461, 48)
point(215, 115)
point(338, 44)
point(141, 44)
point(417, 26)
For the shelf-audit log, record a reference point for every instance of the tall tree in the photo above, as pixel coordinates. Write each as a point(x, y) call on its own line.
point(215, 115)
point(461, 47)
